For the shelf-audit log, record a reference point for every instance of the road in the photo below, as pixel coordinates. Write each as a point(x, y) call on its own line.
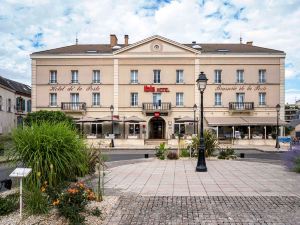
point(119, 155)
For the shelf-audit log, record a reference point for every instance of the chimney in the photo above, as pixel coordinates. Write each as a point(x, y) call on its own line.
point(126, 37)
point(249, 43)
point(113, 40)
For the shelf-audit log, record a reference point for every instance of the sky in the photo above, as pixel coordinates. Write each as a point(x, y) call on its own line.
point(28, 26)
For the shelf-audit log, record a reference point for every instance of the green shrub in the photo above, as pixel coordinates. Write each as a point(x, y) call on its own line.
point(52, 117)
point(72, 202)
point(210, 141)
point(96, 212)
point(172, 155)
point(227, 153)
point(9, 204)
point(53, 151)
point(297, 165)
point(184, 153)
point(160, 151)
point(35, 201)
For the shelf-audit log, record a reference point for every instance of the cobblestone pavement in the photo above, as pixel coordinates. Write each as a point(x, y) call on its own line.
point(177, 210)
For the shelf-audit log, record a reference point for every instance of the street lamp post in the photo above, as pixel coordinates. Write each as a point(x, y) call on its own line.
point(201, 164)
point(112, 125)
point(195, 108)
point(277, 127)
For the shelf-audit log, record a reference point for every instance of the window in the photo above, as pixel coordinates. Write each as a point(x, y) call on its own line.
point(157, 99)
point(1, 102)
point(218, 78)
point(262, 76)
point(9, 105)
point(53, 77)
point(133, 76)
point(156, 78)
point(240, 97)
point(20, 102)
point(53, 99)
point(179, 76)
point(179, 128)
point(74, 76)
point(240, 76)
point(96, 76)
point(179, 99)
point(134, 128)
point(134, 99)
point(96, 99)
point(218, 100)
point(96, 128)
point(262, 98)
point(28, 105)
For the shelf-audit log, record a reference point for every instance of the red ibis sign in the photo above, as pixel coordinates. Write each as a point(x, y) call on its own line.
point(156, 114)
point(150, 88)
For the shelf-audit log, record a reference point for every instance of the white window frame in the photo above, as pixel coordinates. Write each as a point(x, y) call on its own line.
point(156, 77)
point(218, 99)
point(96, 125)
point(262, 98)
point(74, 76)
point(134, 125)
point(53, 77)
point(179, 98)
point(96, 99)
point(262, 76)
point(134, 76)
point(96, 77)
point(51, 102)
point(240, 76)
point(179, 127)
point(134, 99)
point(179, 77)
point(218, 76)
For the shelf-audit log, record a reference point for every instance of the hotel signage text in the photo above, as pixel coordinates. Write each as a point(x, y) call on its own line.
point(153, 89)
point(74, 88)
point(241, 88)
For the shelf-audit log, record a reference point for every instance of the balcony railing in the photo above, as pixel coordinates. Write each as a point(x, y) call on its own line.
point(240, 106)
point(73, 106)
point(157, 107)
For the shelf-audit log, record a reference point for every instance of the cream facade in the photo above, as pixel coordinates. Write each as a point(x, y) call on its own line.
point(154, 80)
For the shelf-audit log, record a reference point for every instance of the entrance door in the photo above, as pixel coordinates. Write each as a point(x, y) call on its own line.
point(157, 128)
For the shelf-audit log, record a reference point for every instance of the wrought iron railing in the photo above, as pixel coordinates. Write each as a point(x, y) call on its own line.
point(163, 106)
point(73, 106)
point(241, 105)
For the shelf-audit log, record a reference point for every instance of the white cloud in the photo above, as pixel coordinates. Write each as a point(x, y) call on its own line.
point(273, 24)
point(291, 95)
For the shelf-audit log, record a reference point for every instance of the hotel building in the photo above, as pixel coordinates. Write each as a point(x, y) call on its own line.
point(151, 86)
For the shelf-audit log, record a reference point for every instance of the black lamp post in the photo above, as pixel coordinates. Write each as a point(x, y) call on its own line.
point(195, 108)
point(201, 165)
point(277, 126)
point(112, 125)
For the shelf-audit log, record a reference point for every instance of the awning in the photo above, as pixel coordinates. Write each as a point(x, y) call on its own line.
point(243, 121)
point(186, 119)
point(86, 120)
point(108, 118)
point(134, 119)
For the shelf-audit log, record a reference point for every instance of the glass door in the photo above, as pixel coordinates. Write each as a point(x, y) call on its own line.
point(156, 100)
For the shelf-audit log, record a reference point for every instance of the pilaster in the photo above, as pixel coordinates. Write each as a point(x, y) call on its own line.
point(33, 85)
point(116, 87)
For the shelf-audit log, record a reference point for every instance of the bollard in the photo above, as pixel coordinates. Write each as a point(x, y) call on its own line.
point(242, 155)
point(146, 156)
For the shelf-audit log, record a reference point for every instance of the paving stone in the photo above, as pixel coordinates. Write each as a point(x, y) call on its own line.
point(206, 210)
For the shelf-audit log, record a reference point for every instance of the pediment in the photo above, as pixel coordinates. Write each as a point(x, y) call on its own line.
point(157, 45)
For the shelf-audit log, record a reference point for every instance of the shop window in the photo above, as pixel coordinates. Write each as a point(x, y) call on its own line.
point(179, 128)
point(96, 128)
point(134, 128)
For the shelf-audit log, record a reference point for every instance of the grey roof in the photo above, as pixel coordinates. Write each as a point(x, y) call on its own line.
point(16, 86)
point(205, 48)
